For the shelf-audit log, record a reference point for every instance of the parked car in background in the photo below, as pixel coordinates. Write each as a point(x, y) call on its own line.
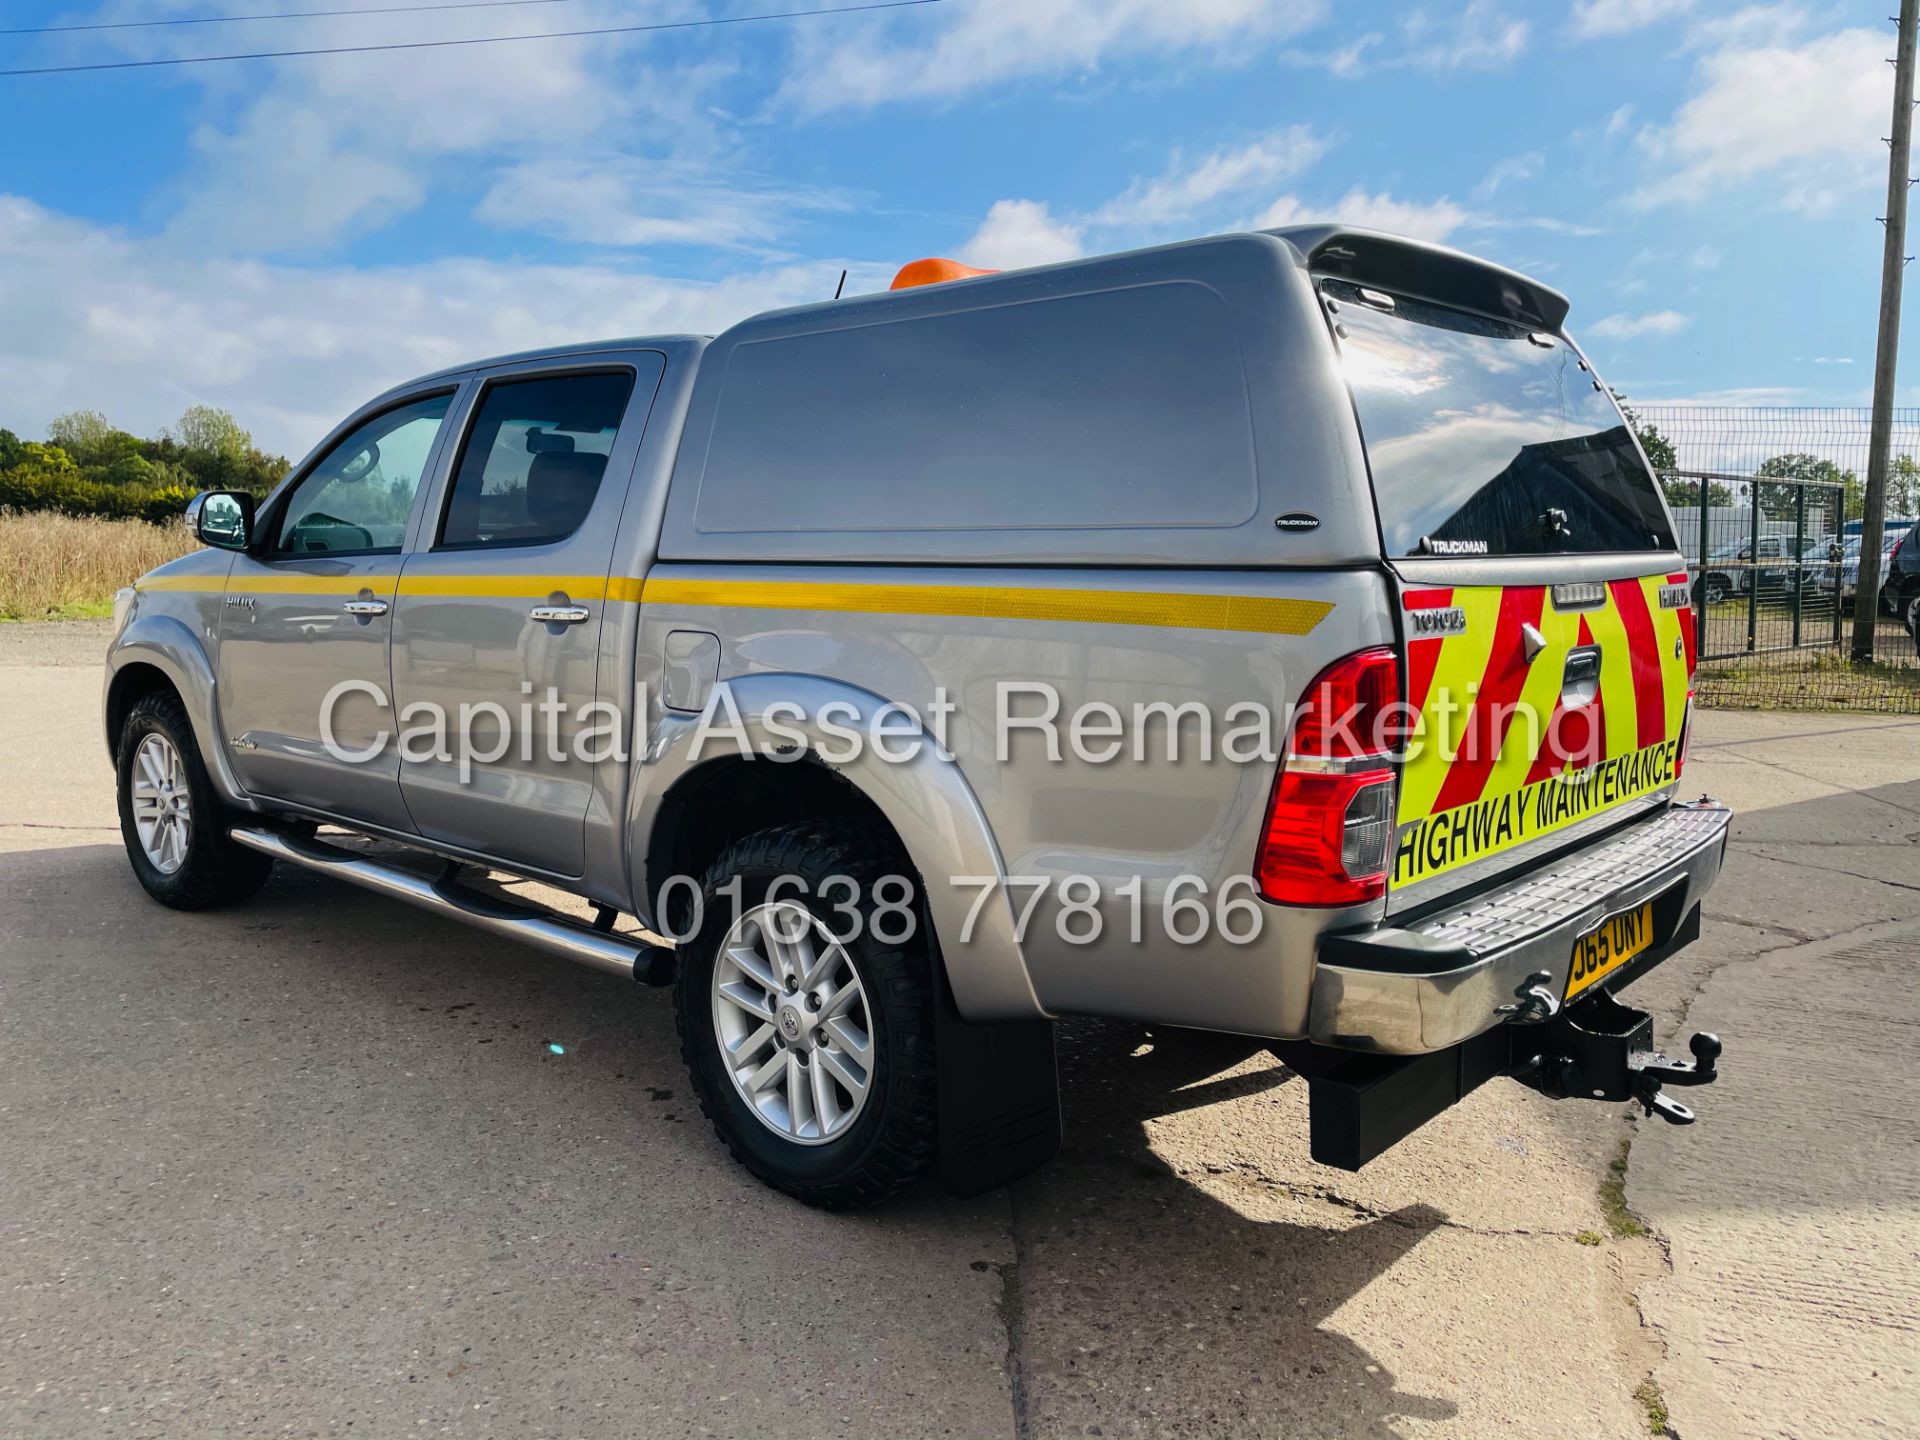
point(1900, 580)
point(1848, 575)
point(1733, 569)
point(1723, 574)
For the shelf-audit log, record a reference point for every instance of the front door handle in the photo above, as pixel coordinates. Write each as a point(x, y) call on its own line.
point(558, 614)
point(366, 607)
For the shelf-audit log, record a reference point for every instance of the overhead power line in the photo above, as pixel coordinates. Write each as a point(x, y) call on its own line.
point(273, 15)
point(470, 40)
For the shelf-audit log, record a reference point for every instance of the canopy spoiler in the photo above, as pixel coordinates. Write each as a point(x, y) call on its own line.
point(1431, 272)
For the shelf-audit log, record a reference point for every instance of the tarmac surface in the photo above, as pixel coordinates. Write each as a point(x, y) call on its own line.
point(309, 1166)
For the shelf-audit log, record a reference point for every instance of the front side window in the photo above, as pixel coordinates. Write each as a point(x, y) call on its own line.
point(357, 499)
point(534, 459)
point(1485, 438)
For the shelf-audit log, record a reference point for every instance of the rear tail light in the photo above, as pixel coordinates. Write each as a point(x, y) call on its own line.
point(1329, 834)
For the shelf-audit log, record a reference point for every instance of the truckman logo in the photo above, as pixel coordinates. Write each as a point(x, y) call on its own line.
point(1485, 827)
point(1452, 547)
point(1445, 620)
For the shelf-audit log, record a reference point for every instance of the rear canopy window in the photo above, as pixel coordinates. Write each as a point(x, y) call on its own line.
point(1118, 408)
point(1486, 439)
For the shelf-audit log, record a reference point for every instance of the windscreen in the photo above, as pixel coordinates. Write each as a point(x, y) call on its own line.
point(1487, 439)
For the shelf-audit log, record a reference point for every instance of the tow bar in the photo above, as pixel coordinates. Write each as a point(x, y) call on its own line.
point(1599, 1049)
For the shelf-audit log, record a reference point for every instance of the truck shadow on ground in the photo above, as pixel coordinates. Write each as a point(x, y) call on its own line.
point(320, 1032)
point(1149, 1305)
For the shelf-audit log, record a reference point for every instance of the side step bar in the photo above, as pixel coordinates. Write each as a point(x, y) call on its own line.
point(542, 929)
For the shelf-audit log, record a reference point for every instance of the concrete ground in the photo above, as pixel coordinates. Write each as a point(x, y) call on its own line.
point(309, 1167)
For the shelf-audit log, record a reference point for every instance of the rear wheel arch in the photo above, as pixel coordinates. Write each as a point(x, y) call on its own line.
point(923, 798)
point(727, 799)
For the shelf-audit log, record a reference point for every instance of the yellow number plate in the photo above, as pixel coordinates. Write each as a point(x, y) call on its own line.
point(1599, 953)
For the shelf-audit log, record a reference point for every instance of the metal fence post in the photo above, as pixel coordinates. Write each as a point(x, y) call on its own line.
point(1753, 563)
point(1703, 612)
point(1797, 575)
point(1840, 569)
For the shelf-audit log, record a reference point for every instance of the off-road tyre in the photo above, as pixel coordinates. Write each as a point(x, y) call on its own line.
point(215, 870)
point(891, 1143)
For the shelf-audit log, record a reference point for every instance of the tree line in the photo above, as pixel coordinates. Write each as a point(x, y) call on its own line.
point(88, 466)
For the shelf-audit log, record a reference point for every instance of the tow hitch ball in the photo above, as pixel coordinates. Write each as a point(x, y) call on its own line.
point(1599, 1049)
point(1650, 1068)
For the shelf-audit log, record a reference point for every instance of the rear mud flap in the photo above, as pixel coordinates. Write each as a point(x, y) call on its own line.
point(999, 1098)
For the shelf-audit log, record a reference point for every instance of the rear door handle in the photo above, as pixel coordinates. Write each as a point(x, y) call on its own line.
point(366, 607)
point(558, 614)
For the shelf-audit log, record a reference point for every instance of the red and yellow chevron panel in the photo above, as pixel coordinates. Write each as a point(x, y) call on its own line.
point(1504, 749)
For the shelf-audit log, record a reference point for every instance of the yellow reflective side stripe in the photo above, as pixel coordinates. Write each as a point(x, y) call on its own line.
point(505, 587)
point(1254, 614)
point(271, 584)
point(1258, 614)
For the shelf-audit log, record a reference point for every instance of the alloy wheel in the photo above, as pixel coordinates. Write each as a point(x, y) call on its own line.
point(793, 1021)
point(162, 803)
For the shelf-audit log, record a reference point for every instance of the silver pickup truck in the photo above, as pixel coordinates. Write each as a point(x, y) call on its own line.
point(1279, 633)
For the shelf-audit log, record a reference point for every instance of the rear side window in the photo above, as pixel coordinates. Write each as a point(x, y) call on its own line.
point(1486, 439)
point(534, 458)
point(1117, 408)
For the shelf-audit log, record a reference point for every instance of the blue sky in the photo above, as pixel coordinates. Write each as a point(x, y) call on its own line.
point(286, 237)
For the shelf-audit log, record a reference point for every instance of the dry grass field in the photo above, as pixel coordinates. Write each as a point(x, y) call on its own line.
point(55, 567)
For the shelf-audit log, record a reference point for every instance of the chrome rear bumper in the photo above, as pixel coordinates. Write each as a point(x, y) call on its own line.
point(1445, 977)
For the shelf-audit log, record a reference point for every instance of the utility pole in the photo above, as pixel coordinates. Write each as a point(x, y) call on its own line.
point(1866, 602)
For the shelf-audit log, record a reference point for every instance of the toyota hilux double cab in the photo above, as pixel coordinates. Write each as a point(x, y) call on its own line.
point(1280, 633)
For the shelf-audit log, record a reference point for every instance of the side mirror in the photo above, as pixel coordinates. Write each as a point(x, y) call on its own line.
point(222, 518)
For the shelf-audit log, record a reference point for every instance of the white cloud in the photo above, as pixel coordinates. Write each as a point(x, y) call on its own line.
point(1593, 19)
point(566, 138)
point(1748, 27)
point(1432, 221)
point(286, 182)
point(1181, 195)
point(1706, 257)
point(1805, 117)
point(618, 200)
point(328, 147)
point(946, 53)
point(1017, 233)
point(1479, 37)
point(1349, 59)
point(1617, 123)
point(1513, 169)
point(90, 317)
point(1833, 359)
point(1632, 327)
